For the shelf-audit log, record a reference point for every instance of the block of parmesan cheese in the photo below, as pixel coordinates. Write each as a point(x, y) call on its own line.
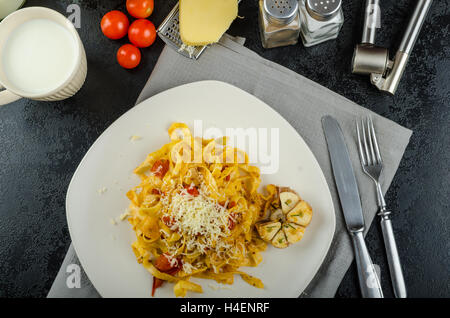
point(205, 21)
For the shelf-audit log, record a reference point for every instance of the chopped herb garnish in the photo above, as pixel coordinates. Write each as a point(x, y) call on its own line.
point(288, 202)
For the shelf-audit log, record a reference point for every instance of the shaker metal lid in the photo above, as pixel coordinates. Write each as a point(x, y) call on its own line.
point(281, 11)
point(323, 10)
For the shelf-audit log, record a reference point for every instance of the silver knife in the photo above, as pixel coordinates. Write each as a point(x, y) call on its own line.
point(351, 206)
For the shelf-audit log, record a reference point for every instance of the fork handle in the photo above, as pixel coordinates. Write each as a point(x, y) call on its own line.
point(395, 268)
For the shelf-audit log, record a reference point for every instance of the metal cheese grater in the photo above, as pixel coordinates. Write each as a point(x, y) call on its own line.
point(169, 32)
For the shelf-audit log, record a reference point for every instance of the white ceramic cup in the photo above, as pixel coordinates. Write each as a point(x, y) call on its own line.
point(66, 88)
point(9, 6)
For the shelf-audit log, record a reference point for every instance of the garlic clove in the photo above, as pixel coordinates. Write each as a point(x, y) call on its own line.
point(268, 230)
point(277, 215)
point(301, 214)
point(288, 201)
point(293, 232)
point(280, 240)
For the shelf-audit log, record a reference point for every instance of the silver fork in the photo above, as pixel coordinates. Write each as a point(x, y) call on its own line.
point(372, 165)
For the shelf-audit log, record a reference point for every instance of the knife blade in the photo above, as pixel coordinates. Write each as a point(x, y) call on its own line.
point(343, 174)
point(347, 187)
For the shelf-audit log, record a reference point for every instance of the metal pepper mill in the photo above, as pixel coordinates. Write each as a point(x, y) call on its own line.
point(369, 59)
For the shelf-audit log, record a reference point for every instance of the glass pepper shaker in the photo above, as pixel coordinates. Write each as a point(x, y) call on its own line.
point(279, 22)
point(321, 20)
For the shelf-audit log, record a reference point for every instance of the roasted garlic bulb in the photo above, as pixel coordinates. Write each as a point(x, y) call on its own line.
point(287, 217)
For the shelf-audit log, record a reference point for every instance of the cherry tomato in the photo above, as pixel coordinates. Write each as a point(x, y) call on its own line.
point(142, 33)
point(175, 270)
point(159, 282)
point(140, 9)
point(162, 264)
point(232, 221)
point(114, 25)
point(156, 284)
point(192, 190)
point(128, 56)
point(160, 168)
point(168, 220)
point(232, 204)
point(156, 191)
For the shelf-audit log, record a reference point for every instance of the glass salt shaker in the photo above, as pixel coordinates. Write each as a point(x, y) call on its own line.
point(279, 22)
point(321, 20)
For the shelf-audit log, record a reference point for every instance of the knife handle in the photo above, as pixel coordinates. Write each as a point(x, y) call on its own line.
point(395, 269)
point(368, 278)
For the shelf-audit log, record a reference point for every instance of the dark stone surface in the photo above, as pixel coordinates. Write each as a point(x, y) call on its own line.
point(42, 143)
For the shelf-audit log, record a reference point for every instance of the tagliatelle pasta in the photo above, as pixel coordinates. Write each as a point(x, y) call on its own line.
point(194, 212)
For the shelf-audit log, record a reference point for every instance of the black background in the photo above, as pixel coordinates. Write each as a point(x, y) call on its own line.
point(42, 143)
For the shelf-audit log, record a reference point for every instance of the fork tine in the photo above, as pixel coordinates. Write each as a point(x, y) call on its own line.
point(372, 152)
point(360, 147)
point(366, 148)
point(375, 142)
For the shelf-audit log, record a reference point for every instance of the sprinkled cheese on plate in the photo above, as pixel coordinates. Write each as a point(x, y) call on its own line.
point(102, 190)
point(124, 215)
point(135, 138)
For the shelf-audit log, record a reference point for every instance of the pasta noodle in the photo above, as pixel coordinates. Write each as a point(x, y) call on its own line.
point(195, 210)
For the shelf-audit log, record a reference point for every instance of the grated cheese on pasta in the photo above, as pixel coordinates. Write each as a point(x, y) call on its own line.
point(198, 216)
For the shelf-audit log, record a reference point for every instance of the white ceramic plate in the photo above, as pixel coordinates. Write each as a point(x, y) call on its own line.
point(104, 249)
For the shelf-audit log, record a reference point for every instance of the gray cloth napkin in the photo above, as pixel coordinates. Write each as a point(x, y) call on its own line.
point(302, 103)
